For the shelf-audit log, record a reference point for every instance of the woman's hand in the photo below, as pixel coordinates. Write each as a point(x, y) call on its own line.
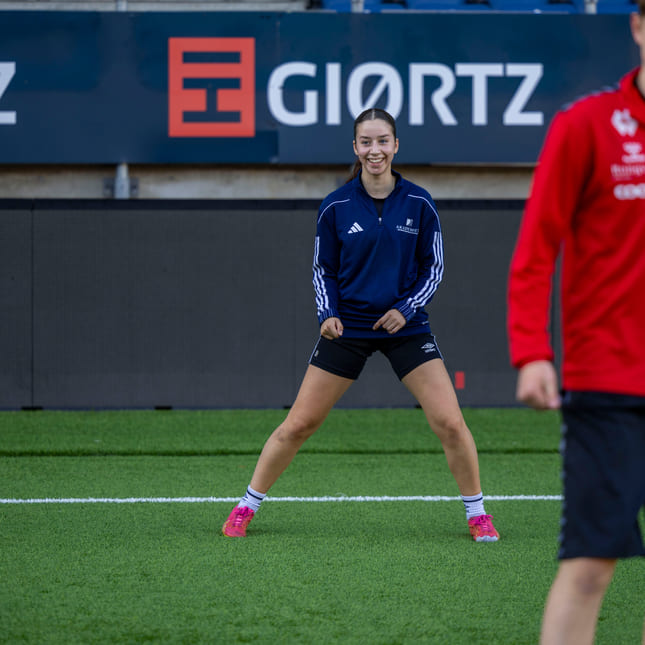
point(392, 321)
point(331, 328)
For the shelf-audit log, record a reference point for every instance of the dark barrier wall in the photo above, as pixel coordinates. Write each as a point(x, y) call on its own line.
point(16, 306)
point(210, 304)
point(250, 87)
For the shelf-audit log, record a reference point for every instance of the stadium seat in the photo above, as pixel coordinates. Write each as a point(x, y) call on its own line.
point(375, 6)
point(449, 5)
point(333, 5)
point(539, 6)
point(616, 6)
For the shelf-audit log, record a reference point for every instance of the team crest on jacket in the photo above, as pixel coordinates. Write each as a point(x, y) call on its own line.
point(624, 123)
point(408, 228)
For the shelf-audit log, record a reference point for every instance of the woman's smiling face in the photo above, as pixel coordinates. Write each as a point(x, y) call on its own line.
point(375, 145)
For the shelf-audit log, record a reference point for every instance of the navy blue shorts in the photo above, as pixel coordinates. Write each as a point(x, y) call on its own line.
point(603, 450)
point(347, 356)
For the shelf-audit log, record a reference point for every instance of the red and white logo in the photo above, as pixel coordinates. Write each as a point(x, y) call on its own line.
point(624, 123)
point(634, 152)
point(209, 59)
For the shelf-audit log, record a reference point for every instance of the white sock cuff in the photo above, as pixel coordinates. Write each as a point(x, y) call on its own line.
point(252, 499)
point(474, 505)
point(255, 493)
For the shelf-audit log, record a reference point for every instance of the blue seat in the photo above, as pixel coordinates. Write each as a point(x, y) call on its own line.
point(336, 5)
point(375, 6)
point(566, 6)
point(539, 6)
point(616, 6)
point(449, 5)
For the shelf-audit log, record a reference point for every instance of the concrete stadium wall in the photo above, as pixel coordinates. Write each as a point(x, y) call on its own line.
point(234, 182)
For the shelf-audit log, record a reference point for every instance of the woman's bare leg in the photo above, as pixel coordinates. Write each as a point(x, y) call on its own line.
point(431, 386)
point(319, 392)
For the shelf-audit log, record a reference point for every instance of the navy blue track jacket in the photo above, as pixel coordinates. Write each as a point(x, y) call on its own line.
point(365, 265)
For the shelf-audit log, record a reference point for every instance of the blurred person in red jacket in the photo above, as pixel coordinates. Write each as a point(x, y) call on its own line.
point(587, 203)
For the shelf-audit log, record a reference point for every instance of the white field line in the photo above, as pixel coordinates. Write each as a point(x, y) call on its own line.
point(230, 500)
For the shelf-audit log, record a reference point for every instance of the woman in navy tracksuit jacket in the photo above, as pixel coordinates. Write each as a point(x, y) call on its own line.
point(378, 260)
point(366, 263)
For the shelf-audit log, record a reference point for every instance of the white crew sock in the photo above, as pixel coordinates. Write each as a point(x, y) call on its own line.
point(474, 505)
point(252, 499)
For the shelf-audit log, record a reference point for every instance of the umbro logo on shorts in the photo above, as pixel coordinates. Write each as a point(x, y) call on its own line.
point(428, 347)
point(356, 228)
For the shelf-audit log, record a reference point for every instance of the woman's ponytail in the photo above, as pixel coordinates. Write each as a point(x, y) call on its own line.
point(356, 168)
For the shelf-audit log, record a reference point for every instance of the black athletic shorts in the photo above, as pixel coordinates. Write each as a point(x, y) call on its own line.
point(347, 356)
point(603, 450)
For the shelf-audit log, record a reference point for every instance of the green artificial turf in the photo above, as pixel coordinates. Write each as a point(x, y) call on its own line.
point(177, 432)
point(312, 573)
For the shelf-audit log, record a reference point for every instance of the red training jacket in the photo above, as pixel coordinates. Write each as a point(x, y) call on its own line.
point(588, 200)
